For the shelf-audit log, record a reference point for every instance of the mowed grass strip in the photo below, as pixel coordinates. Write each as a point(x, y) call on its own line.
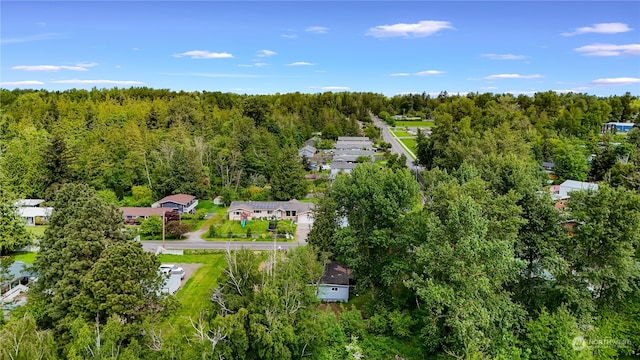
point(415, 123)
point(410, 143)
point(195, 294)
point(400, 133)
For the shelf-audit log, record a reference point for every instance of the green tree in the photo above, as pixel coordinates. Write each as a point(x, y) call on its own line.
point(80, 228)
point(570, 162)
point(142, 195)
point(56, 161)
point(13, 234)
point(21, 339)
point(552, 336)
point(287, 181)
point(151, 226)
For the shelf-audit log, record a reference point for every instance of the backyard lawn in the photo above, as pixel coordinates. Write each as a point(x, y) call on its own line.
point(415, 123)
point(259, 229)
point(26, 257)
point(195, 294)
point(37, 230)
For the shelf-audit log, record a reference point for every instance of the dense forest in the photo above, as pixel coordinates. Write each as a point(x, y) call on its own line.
point(478, 264)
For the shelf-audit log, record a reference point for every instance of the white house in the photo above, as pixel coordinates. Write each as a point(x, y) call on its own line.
point(31, 211)
point(300, 212)
point(572, 185)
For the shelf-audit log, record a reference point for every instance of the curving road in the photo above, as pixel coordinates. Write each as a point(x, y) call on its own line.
point(396, 147)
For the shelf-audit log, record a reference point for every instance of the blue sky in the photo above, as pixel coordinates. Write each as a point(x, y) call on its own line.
point(267, 47)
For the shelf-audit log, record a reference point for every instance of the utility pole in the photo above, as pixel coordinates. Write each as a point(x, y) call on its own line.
point(164, 220)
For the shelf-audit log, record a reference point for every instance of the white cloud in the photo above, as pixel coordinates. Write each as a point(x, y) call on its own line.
point(488, 88)
point(615, 81)
point(203, 54)
point(421, 73)
point(266, 53)
point(504, 56)
point(521, 92)
point(512, 76)
point(54, 68)
point(317, 29)
point(300, 63)
point(420, 29)
point(245, 65)
point(577, 89)
point(41, 24)
point(135, 49)
point(21, 83)
point(29, 38)
point(289, 36)
point(98, 82)
point(117, 66)
point(260, 64)
point(609, 50)
point(602, 28)
point(221, 75)
point(428, 72)
point(335, 88)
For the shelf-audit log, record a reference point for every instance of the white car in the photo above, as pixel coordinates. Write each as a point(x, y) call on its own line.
point(169, 269)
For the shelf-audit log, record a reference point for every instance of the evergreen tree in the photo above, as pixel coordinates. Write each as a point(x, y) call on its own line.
point(56, 161)
point(13, 234)
point(287, 181)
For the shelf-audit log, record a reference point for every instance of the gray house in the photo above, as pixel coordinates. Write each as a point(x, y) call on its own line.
point(334, 284)
point(307, 151)
point(185, 204)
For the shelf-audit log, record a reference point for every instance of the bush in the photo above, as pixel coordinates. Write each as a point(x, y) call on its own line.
point(200, 214)
point(176, 229)
point(378, 323)
point(151, 226)
point(187, 217)
point(401, 323)
point(139, 220)
point(248, 233)
point(352, 323)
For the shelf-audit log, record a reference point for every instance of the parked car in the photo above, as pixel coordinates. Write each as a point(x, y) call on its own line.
point(169, 269)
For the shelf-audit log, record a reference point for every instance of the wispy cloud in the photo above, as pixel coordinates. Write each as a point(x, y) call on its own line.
point(203, 54)
point(504, 56)
point(29, 38)
point(421, 73)
point(512, 76)
point(54, 68)
point(21, 83)
point(601, 28)
point(300, 63)
point(317, 29)
point(609, 50)
point(289, 36)
point(98, 82)
point(335, 88)
point(419, 29)
point(41, 24)
point(577, 89)
point(257, 64)
point(521, 92)
point(266, 53)
point(615, 81)
point(135, 49)
point(221, 75)
point(488, 88)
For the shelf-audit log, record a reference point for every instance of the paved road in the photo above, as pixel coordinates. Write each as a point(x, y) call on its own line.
point(194, 241)
point(396, 148)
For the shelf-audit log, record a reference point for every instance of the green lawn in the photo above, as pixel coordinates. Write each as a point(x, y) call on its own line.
point(195, 295)
point(259, 229)
point(26, 257)
point(37, 230)
point(402, 133)
point(415, 123)
point(410, 143)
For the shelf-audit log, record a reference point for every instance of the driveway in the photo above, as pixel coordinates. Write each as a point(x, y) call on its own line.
point(302, 231)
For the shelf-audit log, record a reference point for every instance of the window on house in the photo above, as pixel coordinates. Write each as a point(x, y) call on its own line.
point(288, 213)
point(257, 211)
point(270, 212)
point(237, 213)
point(293, 213)
point(334, 289)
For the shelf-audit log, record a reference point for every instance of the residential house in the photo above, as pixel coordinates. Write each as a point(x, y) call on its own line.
point(548, 166)
point(130, 214)
point(307, 151)
point(17, 274)
point(334, 284)
point(341, 167)
point(185, 204)
point(31, 211)
point(572, 185)
point(348, 155)
point(295, 210)
point(620, 127)
point(353, 143)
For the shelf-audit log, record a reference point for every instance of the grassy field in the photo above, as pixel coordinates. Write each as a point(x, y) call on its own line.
point(415, 123)
point(26, 257)
point(195, 295)
point(410, 143)
point(259, 229)
point(37, 230)
point(402, 133)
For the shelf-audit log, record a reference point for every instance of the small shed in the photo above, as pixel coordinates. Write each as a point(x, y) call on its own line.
point(334, 284)
point(218, 200)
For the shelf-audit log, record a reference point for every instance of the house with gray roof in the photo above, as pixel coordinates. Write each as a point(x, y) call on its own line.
point(334, 284)
point(307, 151)
point(31, 211)
point(295, 210)
point(341, 167)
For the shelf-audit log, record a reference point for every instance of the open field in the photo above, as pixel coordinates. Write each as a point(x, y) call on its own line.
point(410, 143)
point(402, 133)
point(37, 230)
point(195, 295)
point(26, 257)
point(415, 123)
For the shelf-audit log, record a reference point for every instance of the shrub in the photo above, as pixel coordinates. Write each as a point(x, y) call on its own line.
point(352, 323)
point(248, 233)
point(378, 323)
point(401, 323)
point(213, 231)
point(176, 229)
point(151, 226)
